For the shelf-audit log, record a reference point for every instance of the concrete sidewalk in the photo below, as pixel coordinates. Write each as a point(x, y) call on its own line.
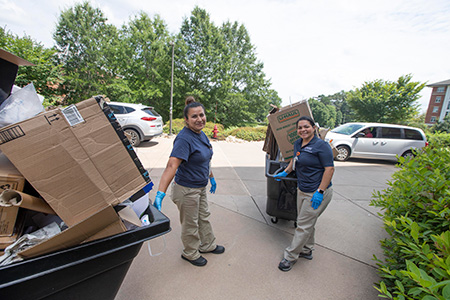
point(347, 236)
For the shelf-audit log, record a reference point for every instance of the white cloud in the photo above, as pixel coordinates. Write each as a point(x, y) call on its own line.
point(308, 47)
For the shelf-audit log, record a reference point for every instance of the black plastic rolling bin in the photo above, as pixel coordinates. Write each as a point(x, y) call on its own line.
point(281, 195)
point(94, 270)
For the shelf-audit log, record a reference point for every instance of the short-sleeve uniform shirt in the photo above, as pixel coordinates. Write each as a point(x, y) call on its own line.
point(310, 162)
point(196, 152)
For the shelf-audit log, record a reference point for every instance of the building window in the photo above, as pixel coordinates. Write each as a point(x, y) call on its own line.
point(435, 109)
point(438, 99)
point(440, 89)
point(433, 119)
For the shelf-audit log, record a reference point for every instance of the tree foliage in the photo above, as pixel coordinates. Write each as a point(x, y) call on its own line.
point(87, 46)
point(442, 126)
point(219, 66)
point(45, 75)
point(144, 62)
point(386, 101)
point(332, 110)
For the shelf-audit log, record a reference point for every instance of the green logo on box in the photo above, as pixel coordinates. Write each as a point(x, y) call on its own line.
point(288, 116)
point(292, 135)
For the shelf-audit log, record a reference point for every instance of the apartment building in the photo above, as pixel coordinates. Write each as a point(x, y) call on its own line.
point(439, 105)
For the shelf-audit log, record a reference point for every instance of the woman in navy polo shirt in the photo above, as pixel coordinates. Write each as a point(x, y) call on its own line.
point(314, 167)
point(189, 163)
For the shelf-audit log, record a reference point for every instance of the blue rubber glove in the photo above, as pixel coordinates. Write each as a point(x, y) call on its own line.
point(316, 200)
point(213, 185)
point(158, 199)
point(280, 175)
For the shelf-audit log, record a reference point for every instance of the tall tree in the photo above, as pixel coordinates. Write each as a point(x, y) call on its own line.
point(323, 114)
point(86, 44)
point(386, 101)
point(46, 74)
point(220, 66)
point(343, 112)
point(146, 61)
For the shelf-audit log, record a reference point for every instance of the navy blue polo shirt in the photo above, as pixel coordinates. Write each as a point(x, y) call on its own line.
point(196, 152)
point(310, 162)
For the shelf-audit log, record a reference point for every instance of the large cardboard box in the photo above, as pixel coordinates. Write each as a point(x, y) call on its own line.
point(283, 126)
point(77, 159)
point(81, 163)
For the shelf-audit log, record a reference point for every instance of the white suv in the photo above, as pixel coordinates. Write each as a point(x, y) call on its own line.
point(140, 123)
point(375, 140)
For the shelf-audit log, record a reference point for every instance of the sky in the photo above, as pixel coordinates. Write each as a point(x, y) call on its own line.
point(309, 48)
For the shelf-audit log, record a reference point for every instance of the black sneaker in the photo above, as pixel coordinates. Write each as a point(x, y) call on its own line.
point(306, 255)
point(218, 250)
point(285, 265)
point(199, 262)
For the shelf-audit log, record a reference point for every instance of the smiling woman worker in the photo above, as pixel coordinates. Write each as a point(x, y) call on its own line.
point(189, 163)
point(314, 167)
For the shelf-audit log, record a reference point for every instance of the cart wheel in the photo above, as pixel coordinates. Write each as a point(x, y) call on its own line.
point(274, 220)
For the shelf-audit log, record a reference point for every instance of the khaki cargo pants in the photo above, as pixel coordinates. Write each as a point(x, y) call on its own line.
point(196, 230)
point(303, 240)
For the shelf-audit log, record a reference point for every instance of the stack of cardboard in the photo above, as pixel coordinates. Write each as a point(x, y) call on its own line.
point(77, 160)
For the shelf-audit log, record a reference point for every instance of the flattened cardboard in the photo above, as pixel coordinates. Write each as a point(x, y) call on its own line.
point(8, 216)
point(5, 241)
point(80, 232)
point(10, 177)
point(283, 126)
point(81, 169)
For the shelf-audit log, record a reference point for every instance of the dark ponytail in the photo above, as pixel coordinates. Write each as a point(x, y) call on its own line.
point(191, 103)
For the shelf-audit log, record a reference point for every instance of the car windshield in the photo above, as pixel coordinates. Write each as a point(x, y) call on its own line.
point(347, 129)
point(151, 111)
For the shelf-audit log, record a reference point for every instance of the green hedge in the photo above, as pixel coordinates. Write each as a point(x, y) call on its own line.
point(246, 133)
point(417, 218)
point(439, 139)
point(250, 133)
point(178, 124)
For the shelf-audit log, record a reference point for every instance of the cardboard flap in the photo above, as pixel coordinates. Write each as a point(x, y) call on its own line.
point(76, 234)
point(14, 59)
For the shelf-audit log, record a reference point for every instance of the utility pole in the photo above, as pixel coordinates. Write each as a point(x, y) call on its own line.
point(171, 91)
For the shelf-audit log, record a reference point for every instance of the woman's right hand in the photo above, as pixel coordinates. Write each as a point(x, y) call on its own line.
point(158, 199)
point(280, 175)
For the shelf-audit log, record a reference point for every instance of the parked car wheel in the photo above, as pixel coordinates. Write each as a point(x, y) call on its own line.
point(133, 137)
point(408, 154)
point(344, 153)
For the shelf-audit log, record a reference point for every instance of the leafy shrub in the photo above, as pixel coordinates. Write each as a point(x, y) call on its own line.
point(250, 133)
point(246, 133)
point(178, 124)
point(417, 218)
point(440, 139)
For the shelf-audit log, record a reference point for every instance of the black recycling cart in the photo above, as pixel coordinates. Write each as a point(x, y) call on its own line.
point(281, 195)
point(94, 270)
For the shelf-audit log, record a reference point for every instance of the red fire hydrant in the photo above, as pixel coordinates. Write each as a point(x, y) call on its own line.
point(215, 131)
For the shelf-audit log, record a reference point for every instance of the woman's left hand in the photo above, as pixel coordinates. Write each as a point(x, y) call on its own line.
point(213, 185)
point(316, 199)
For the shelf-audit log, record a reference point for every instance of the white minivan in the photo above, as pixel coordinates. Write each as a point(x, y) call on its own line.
point(375, 140)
